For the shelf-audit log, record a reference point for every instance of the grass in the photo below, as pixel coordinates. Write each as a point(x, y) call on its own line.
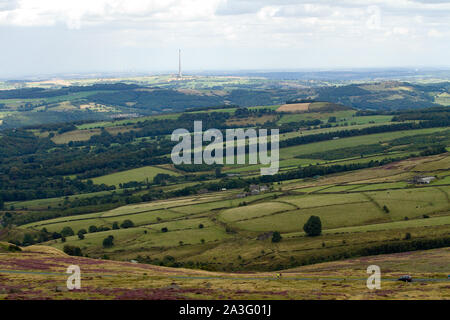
point(350, 206)
point(411, 202)
point(108, 280)
point(254, 211)
point(332, 217)
point(139, 174)
point(324, 146)
point(341, 116)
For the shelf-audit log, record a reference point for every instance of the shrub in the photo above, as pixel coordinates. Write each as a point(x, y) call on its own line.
point(56, 235)
point(72, 250)
point(313, 227)
point(276, 237)
point(108, 242)
point(28, 240)
point(164, 229)
point(14, 248)
point(127, 224)
point(67, 232)
point(200, 226)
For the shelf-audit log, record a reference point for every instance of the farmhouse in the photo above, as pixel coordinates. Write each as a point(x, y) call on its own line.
point(423, 180)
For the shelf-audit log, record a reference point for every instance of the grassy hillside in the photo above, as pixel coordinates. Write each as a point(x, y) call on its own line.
point(359, 210)
point(44, 270)
point(89, 100)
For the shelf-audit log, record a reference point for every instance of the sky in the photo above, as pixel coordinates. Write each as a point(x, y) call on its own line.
point(43, 37)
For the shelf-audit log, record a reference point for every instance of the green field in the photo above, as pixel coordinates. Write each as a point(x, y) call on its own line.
point(351, 212)
point(139, 174)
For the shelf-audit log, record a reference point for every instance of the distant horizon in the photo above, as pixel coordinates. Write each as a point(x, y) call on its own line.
point(215, 72)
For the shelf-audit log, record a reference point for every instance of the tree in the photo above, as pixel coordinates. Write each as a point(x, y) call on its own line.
point(2, 203)
point(385, 209)
point(92, 229)
point(201, 226)
point(115, 225)
point(72, 250)
point(28, 239)
point(56, 235)
point(108, 242)
point(127, 224)
point(80, 235)
point(161, 178)
point(164, 229)
point(67, 232)
point(313, 227)
point(218, 172)
point(276, 237)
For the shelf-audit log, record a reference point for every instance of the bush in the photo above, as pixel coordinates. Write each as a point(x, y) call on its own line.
point(407, 236)
point(28, 240)
point(80, 236)
point(201, 226)
point(115, 225)
point(313, 227)
point(14, 248)
point(67, 232)
point(386, 209)
point(56, 235)
point(127, 224)
point(164, 229)
point(108, 242)
point(72, 250)
point(276, 237)
point(92, 229)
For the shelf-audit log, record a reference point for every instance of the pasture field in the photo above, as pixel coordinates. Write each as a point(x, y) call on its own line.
point(294, 107)
point(349, 214)
point(341, 116)
point(323, 146)
point(139, 174)
point(350, 206)
point(40, 204)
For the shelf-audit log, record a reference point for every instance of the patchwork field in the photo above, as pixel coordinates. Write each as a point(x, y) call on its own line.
point(221, 231)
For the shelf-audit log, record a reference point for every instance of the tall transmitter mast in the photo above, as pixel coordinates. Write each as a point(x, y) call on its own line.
point(179, 64)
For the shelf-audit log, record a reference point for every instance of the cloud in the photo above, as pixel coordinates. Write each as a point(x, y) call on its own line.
point(75, 13)
point(374, 20)
point(311, 31)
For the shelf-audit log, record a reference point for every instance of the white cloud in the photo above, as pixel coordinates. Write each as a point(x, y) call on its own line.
point(435, 34)
point(320, 30)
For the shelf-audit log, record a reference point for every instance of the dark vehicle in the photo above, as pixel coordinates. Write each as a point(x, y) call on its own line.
point(406, 278)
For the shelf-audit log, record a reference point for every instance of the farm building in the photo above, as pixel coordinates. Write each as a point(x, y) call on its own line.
point(423, 180)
